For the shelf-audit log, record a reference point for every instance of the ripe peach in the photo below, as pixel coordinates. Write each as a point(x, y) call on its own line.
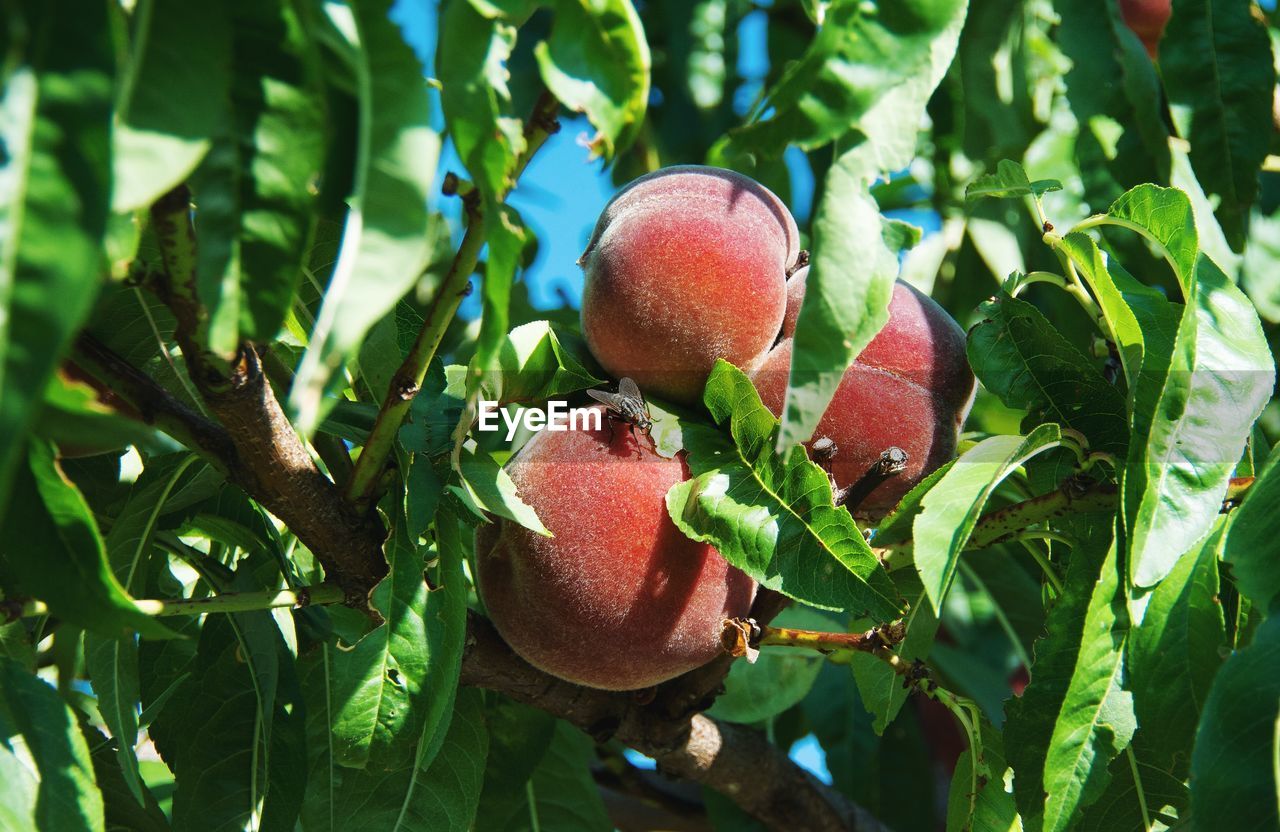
point(619, 598)
point(1147, 19)
point(686, 265)
point(910, 388)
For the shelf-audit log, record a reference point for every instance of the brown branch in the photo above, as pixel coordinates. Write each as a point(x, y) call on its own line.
point(269, 461)
point(734, 760)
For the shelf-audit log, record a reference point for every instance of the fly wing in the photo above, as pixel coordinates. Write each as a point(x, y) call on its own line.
point(628, 388)
point(605, 397)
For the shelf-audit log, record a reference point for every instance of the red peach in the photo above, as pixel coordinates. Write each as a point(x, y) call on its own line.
point(686, 265)
point(910, 388)
point(1147, 19)
point(619, 598)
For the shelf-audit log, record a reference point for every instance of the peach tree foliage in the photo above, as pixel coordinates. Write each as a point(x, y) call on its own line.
point(239, 481)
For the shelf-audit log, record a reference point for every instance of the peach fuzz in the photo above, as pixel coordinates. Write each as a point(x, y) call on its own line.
point(686, 265)
point(910, 388)
point(619, 598)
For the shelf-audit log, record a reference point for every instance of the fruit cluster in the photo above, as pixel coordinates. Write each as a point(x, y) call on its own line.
point(688, 265)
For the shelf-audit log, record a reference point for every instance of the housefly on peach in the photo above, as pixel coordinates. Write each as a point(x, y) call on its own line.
point(627, 405)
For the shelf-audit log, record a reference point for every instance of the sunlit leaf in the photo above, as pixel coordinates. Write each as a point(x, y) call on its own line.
point(380, 696)
point(1018, 355)
point(475, 95)
point(773, 517)
point(256, 189)
point(597, 62)
point(52, 550)
point(1009, 180)
point(55, 188)
point(954, 504)
point(48, 778)
point(1031, 719)
point(1252, 536)
point(385, 239)
point(1096, 721)
point(175, 99)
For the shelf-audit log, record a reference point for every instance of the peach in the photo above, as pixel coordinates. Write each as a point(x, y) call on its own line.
point(1147, 19)
point(910, 388)
point(686, 265)
point(618, 598)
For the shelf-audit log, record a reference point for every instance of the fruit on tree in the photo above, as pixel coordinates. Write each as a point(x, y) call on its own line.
point(910, 388)
point(1147, 19)
point(619, 598)
point(686, 265)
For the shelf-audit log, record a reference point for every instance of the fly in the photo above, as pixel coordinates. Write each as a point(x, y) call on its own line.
point(627, 405)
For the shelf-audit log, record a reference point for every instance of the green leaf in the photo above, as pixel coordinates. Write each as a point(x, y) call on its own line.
point(435, 411)
point(1174, 654)
point(48, 778)
point(385, 240)
point(980, 797)
point(490, 488)
point(867, 69)
point(773, 517)
point(505, 235)
point(1096, 721)
point(1254, 531)
point(1021, 357)
point(73, 416)
point(1193, 403)
point(597, 62)
point(871, 70)
point(173, 98)
point(779, 678)
point(896, 525)
point(113, 662)
point(561, 794)
point(1122, 806)
point(1234, 768)
point(472, 67)
point(519, 736)
point(16, 644)
point(843, 307)
point(1143, 323)
point(254, 193)
point(535, 363)
point(1220, 378)
point(1031, 719)
point(380, 696)
point(55, 129)
point(1009, 181)
point(236, 759)
point(1115, 95)
point(430, 792)
point(121, 807)
point(1163, 216)
point(952, 507)
point(1215, 59)
point(52, 550)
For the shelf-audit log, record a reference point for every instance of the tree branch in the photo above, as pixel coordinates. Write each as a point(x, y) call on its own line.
point(256, 444)
point(736, 761)
point(224, 602)
point(407, 380)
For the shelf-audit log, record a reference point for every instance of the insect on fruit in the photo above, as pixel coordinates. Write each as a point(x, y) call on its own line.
point(626, 405)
